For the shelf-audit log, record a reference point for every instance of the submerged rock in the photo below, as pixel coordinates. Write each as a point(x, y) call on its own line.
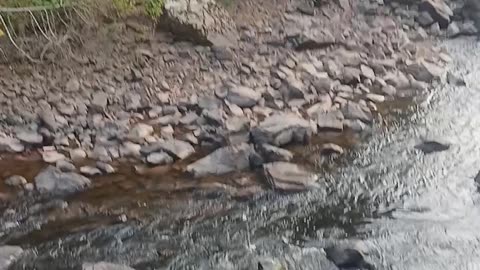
point(8, 255)
point(176, 148)
point(224, 160)
point(347, 258)
point(105, 266)
point(52, 180)
point(272, 153)
point(281, 129)
point(287, 176)
point(430, 146)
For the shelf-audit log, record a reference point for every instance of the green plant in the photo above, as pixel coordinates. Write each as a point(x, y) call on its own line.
point(123, 7)
point(154, 8)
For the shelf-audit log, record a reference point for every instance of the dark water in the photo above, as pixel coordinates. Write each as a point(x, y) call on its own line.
point(408, 210)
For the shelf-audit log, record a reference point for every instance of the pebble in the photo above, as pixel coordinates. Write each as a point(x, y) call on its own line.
point(139, 132)
point(105, 167)
point(65, 166)
point(15, 181)
point(90, 171)
point(52, 156)
point(77, 154)
point(30, 137)
point(160, 158)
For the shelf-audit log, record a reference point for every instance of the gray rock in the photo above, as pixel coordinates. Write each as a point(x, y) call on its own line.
point(288, 176)
point(347, 258)
point(330, 121)
point(133, 102)
point(30, 137)
point(367, 72)
point(425, 19)
point(432, 146)
point(272, 153)
point(281, 129)
point(139, 132)
point(439, 11)
point(105, 266)
point(73, 85)
point(47, 118)
point(160, 158)
point(223, 160)
point(90, 171)
point(213, 117)
point(15, 181)
point(129, 149)
point(306, 9)
point(176, 148)
point(52, 180)
point(389, 90)
point(356, 111)
point(8, 255)
point(294, 89)
point(455, 80)
point(375, 98)
point(331, 148)
point(99, 101)
point(65, 166)
point(189, 118)
point(52, 156)
point(77, 154)
point(312, 39)
point(242, 96)
point(11, 145)
point(424, 71)
point(453, 30)
point(209, 103)
point(236, 124)
point(105, 167)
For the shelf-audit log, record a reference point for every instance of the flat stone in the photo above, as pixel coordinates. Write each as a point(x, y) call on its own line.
point(30, 137)
point(242, 96)
point(432, 146)
point(439, 11)
point(139, 132)
point(375, 98)
point(288, 176)
point(8, 255)
point(177, 148)
point(105, 266)
point(347, 258)
point(424, 71)
point(99, 101)
point(312, 39)
point(90, 171)
point(52, 180)
point(160, 158)
point(105, 167)
point(281, 129)
point(65, 166)
point(331, 148)
point(272, 153)
point(223, 160)
point(356, 111)
point(77, 154)
point(236, 124)
point(330, 121)
point(15, 181)
point(52, 156)
point(11, 145)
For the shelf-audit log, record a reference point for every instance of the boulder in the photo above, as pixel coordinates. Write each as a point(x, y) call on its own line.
point(223, 160)
point(199, 21)
point(288, 176)
point(281, 129)
point(439, 11)
point(272, 153)
point(242, 96)
point(176, 148)
point(105, 266)
point(8, 255)
point(453, 30)
point(52, 180)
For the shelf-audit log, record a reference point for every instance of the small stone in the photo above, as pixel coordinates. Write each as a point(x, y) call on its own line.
point(15, 181)
point(30, 137)
point(160, 158)
point(367, 72)
point(99, 101)
point(331, 148)
point(65, 166)
point(73, 85)
point(52, 156)
point(236, 124)
point(242, 96)
point(77, 154)
point(176, 148)
point(129, 149)
point(139, 132)
point(375, 98)
point(453, 30)
point(431, 146)
point(288, 176)
point(272, 153)
point(90, 171)
point(356, 111)
point(47, 118)
point(105, 167)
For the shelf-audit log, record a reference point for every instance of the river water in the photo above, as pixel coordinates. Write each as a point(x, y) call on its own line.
point(406, 210)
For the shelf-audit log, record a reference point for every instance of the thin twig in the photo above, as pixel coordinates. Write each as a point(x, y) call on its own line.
point(38, 25)
point(30, 9)
point(13, 41)
point(11, 26)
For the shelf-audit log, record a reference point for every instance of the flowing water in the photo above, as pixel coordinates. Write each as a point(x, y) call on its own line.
point(409, 210)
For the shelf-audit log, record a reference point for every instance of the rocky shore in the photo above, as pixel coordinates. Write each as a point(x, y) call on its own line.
point(227, 90)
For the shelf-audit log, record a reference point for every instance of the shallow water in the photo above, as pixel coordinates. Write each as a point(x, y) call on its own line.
point(411, 211)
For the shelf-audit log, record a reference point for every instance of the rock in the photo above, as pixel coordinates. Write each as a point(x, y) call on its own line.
point(209, 103)
point(288, 176)
point(389, 90)
point(176, 148)
point(469, 28)
point(199, 21)
point(10, 145)
point(99, 101)
point(330, 121)
point(223, 160)
point(15, 181)
point(8, 255)
point(293, 89)
point(90, 171)
point(129, 149)
point(431, 146)
point(272, 153)
point(356, 111)
point(453, 30)
point(350, 75)
point(312, 39)
point(455, 80)
point(77, 154)
point(47, 118)
point(213, 117)
point(139, 132)
point(367, 72)
point(105, 266)
point(424, 71)
point(65, 166)
point(236, 124)
point(52, 156)
point(281, 129)
point(425, 19)
point(52, 180)
point(477, 179)
point(266, 263)
point(306, 9)
point(331, 148)
point(375, 98)
point(105, 167)
point(30, 137)
point(160, 158)
point(189, 118)
point(347, 258)
point(439, 11)
point(242, 96)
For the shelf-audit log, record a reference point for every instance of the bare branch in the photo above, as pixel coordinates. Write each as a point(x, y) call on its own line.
point(13, 41)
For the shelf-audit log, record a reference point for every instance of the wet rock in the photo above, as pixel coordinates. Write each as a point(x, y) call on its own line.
point(160, 158)
point(105, 266)
point(90, 171)
point(77, 154)
point(453, 30)
point(439, 11)
point(331, 149)
point(15, 181)
point(177, 148)
point(242, 96)
point(356, 111)
point(52, 180)
point(139, 132)
point(272, 153)
point(223, 160)
point(425, 19)
point(30, 137)
point(105, 167)
point(52, 156)
point(455, 80)
point(424, 71)
point(347, 258)
point(330, 121)
point(65, 166)
point(288, 176)
point(8, 255)
point(266, 263)
point(281, 129)
point(431, 146)
point(9, 144)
